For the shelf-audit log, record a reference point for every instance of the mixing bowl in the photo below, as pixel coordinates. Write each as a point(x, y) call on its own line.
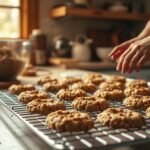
point(11, 64)
point(103, 52)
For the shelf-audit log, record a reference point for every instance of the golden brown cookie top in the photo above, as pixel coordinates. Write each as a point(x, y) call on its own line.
point(92, 75)
point(111, 86)
point(71, 115)
point(70, 80)
point(28, 96)
point(137, 101)
point(121, 113)
point(54, 87)
point(90, 103)
point(72, 121)
point(70, 94)
point(147, 112)
point(44, 106)
point(145, 91)
point(137, 83)
point(46, 79)
point(88, 87)
point(18, 88)
point(121, 118)
point(110, 94)
point(89, 98)
point(46, 101)
point(32, 92)
point(116, 78)
point(93, 78)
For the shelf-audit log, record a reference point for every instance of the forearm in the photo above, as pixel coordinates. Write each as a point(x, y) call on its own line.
point(145, 32)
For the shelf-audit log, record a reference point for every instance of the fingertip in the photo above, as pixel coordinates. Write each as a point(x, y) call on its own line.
point(112, 58)
point(110, 54)
point(117, 68)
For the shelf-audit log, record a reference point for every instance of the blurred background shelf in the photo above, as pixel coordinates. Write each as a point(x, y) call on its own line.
point(64, 11)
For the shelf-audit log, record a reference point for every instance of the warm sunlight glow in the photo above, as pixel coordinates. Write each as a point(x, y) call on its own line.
point(9, 19)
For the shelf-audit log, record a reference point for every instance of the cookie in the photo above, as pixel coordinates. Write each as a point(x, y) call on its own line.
point(88, 87)
point(71, 80)
point(93, 78)
point(147, 112)
point(137, 101)
point(29, 71)
point(145, 91)
point(18, 88)
point(69, 95)
point(44, 106)
point(46, 79)
point(137, 83)
point(90, 103)
point(115, 95)
point(116, 78)
point(72, 121)
point(28, 96)
point(54, 87)
point(121, 118)
point(92, 75)
point(111, 86)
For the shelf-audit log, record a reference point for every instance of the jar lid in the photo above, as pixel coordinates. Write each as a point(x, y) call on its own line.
point(36, 32)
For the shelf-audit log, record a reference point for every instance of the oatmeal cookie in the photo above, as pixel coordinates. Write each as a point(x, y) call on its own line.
point(94, 78)
point(137, 101)
point(29, 70)
point(111, 86)
point(121, 118)
point(145, 91)
point(137, 83)
point(44, 106)
point(54, 87)
point(88, 87)
point(115, 94)
point(72, 121)
point(92, 75)
point(46, 79)
point(90, 103)
point(71, 80)
point(18, 88)
point(28, 96)
point(148, 112)
point(116, 78)
point(69, 95)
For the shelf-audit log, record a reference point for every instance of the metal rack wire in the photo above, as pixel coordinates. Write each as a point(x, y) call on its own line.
point(98, 137)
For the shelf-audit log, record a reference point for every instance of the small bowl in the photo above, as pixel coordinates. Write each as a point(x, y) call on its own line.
point(103, 52)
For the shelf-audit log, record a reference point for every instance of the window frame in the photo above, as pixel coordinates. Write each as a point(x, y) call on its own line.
point(29, 17)
point(29, 10)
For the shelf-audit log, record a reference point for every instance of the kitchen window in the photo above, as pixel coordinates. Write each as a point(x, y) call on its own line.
point(18, 18)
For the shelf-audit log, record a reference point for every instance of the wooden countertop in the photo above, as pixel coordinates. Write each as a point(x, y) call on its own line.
point(73, 63)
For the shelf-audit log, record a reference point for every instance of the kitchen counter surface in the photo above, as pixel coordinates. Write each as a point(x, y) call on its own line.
point(15, 135)
point(92, 66)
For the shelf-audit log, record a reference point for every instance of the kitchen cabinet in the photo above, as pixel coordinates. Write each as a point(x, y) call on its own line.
point(65, 11)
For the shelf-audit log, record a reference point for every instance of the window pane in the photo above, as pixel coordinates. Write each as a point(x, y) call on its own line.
point(10, 2)
point(9, 23)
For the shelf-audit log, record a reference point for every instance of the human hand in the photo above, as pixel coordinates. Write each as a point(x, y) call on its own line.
point(134, 56)
point(120, 49)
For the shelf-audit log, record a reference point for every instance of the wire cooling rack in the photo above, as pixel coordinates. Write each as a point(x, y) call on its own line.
point(98, 137)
